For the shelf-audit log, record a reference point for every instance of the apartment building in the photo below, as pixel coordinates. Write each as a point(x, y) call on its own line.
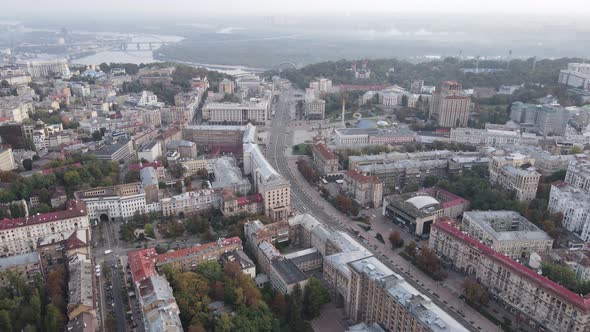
point(325, 161)
point(450, 106)
point(578, 175)
point(514, 173)
point(366, 190)
point(15, 109)
point(506, 232)
point(397, 175)
point(187, 259)
point(574, 204)
point(232, 205)
point(378, 295)
point(190, 202)
point(7, 159)
point(23, 235)
point(81, 286)
point(275, 190)
point(542, 303)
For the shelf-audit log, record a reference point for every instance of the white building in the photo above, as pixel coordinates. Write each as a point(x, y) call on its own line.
point(112, 203)
point(151, 151)
point(256, 111)
point(7, 159)
point(189, 203)
point(574, 205)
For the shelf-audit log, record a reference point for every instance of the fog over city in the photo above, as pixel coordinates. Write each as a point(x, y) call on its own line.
point(294, 166)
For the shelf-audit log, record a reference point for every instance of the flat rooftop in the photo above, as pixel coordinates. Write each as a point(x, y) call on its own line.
point(288, 271)
point(505, 225)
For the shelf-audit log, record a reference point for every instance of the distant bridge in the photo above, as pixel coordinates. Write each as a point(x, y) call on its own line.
point(125, 45)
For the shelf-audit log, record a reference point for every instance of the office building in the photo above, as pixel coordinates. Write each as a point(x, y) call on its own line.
point(151, 151)
point(121, 151)
point(315, 109)
point(506, 232)
point(255, 111)
point(45, 68)
point(113, 203)
point(226, 87)
point(373, 136)
point(577, 75)
point(547, 120)
point(450, 106)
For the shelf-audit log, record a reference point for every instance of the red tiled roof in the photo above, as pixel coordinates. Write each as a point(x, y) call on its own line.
point(361, 178)
point(324, 151)
point(74, 242)
point(142, 263)
point(195, 250)
point(542, 282)
point(244, 200)
point(73, 209)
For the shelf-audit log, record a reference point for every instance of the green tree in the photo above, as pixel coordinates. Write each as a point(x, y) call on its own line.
point(410, 249)
point(224, 323)
point(149, 230)
point(296, 309)
point(315, 296)
point(5, 321)
point(132, 176)
point(72, 179)
point(475, 293)
point(54, 319)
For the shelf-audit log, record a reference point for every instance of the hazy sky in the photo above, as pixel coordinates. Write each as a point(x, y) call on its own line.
point(200, 7)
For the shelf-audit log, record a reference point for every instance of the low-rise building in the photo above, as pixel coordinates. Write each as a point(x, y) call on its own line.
point(25, 265)
point(81, 286)
point(187, 259)
point(233, 205)
point(189, 203)
point(506, 232)
point(284, 275)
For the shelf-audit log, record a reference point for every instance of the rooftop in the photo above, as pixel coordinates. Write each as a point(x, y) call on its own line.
point(142, 264)
point(505, 225)
point(356, 176)
point(109, 150)
point(23, 259)
point(74, 208)
point(196, 250)
point(288, 271)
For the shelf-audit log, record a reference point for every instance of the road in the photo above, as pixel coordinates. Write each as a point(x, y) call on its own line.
point(305, 199)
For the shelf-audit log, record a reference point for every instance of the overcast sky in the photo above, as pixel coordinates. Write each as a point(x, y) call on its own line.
point(284, 7)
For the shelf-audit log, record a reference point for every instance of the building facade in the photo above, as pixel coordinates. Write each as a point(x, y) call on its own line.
point(366, 190)
point(538, 301)
point(450, 105)
point(325, 161)
point(510, 174)
point(22, 235)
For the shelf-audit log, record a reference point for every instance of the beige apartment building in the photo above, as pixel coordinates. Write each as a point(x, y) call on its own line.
point(514, 173)
point(507, 232)
point(366, 190)
point(450, 105)
point(542, 304)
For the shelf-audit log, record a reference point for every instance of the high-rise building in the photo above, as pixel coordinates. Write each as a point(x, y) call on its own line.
point(450, 106)
point(544, 119)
